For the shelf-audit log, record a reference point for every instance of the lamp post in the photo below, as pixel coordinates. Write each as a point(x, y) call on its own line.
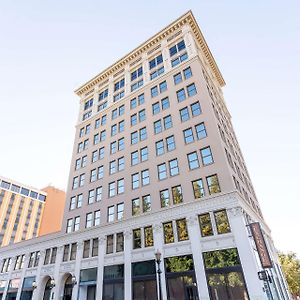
point(73, 281)
point(52, 284)
point(158, 261)
point(34, 285)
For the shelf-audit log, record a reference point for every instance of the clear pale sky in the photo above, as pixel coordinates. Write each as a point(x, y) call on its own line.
point(49, 48)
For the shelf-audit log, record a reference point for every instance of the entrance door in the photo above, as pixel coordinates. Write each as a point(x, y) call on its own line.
point(182, 287)
point(47, 292)
point(191, 292)
point(91, 292)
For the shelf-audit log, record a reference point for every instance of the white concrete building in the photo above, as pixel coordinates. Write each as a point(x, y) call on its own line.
point(156, 166)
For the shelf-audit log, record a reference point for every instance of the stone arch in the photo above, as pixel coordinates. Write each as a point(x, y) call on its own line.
point(66, 287)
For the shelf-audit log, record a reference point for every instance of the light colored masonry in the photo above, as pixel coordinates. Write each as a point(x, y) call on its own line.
point(156, 166)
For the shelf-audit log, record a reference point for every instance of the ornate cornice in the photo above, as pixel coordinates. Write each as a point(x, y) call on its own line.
point(187, 18)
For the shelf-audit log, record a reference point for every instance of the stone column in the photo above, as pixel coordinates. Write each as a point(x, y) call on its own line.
point(59, 287)
point(77, 268)
point(246, 254)
point(159, 244)
point(38, 292)
point(101, 252)
point(127, 264)
point(23, 276)
point(13, 262)
point(194, 234)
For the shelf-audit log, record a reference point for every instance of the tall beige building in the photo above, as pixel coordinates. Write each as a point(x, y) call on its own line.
point(156, 169)
point(25, 213)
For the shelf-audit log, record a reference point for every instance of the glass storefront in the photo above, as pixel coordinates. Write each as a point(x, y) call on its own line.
point(180, 278)
point(27, 289)
point(13, 286)
point(113, 282)
point(224, 275)
point(2, 288)
point(68, 288)
point(87, 284)
point(144, 280)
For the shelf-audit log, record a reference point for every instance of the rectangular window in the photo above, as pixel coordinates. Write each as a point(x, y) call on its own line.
point(168, 232)
point(112, 167)
point(120, 186)
point(120, 211)
point(170, 143)
point(157, 126)
point(121, 144)
point(205, 225)
point(146, 203)
point(134, 158)
point(184, 114)
point(95, 247)
point(206, 156)
point(120, 242)
point(155, 61)
point(165, 103)
point(187, 73)
point(93, 176)
point(144, 154)
point(162, 171)
point(163, 86)
point(174, 169)
point(110, 214)
point(198, 188)
point(86, 249)
point(81, 179)
point(222, 222)
point(134, 137)
point(99, 193)
point(155, 108)
point(76, 223)
point(193, 160)
point(97, 218)
point(121, 126)
point(177, 78)
point(73, 251)
point(113, 130)
point(133, 119)
point(188, 135)
point(177, 48)
point(118, 85)
point(148, 237)
point(191, 90)
point(136, 209)
point(164, 198)
point(100, 172)
point(136, 73)
point(177, 194)
point(213, 184)
point(142, 115)
point(113, 147)
point(182, 231)
point(196, 109)
point(69, 225)
point(137, 238)
point(154, 91)
point(66, 253)
point(111, 189)
point(145, 177)
point(135, 181)
point(159, 147)
point(109, 244)
point(181, 95)
point(121, 163)
point(143, 134)
point(103, 95)
point(200, 131)
point(91, 196)
point(168, 122)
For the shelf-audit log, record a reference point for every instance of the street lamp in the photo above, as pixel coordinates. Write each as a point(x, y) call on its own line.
point(158, 261)
point(34, 285)
point(73, 280)
point(52, 283)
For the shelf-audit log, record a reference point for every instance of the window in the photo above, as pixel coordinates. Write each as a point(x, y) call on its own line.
point(103, 95)
point(134, 158)
point(205, 225)
point(196, 109)
point(222, 222)
point(89, 220)
point(93, 176)
point(81, 179)
point(102, 106)
point(200, 131)
point(136, 209)
point(118, 85)
point(165, 103)
point(187, 73)
point(157, 127)
point(179, 59)
point(193, 160)
point(182, 231)
point(109, 244)
point(181, 95)
point(163, 86)
point(170, 143)
point(177, 78)
point(133, 119)
point(168, 232)
point(148, 237)
point(86, 249)
point(146, 203)
point(137, 238)
point(174, 169)
point(184, 114)
point(113, 130)
point(162, 171)
point(110, 214)
point(159, 147)
point(143, 134)
point(137, 85)
point(156, 73)
point(98, 193)
point(136, 73)
point(144, 154)
point(69, 225)
point(206, 156)
point(96, 139)
point(145, 177)
point(119, 96)
point(97, 218)
point(73, 251)
point(177, 194)
point(120, 211)
point(120, 242)
point(121, 126)
point(168, 122)
point(213, 184)
point(111, 189)
point(155, 61)
point(164, 198)
point(91, 196)
point(134, 137)
point(88, 104)
point(188, 135)
point(95, 247)
point(198, 188)
point(142, 115)
point(135, 181)
point(121, 163)
point(120, 186)
point(112, 167)
point(191, 90)
point(154, 91)
point(155, 108)
point(76, 223)
point(66, 253)
point(73, 203)
point(121, 144)
point(94, 156)
point(113, 147)
point(100, 172)
point(177, 48)
point(75, 183)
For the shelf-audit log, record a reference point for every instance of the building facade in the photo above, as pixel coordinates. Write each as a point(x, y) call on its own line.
point(156, 168)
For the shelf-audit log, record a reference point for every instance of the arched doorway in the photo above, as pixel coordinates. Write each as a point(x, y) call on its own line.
point(68, 288)
point(48, 288)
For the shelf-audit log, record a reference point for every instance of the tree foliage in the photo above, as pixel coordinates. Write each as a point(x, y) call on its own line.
point(291, 268)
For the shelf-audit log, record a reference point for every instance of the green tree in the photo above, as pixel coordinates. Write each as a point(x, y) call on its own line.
point(291, 268)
